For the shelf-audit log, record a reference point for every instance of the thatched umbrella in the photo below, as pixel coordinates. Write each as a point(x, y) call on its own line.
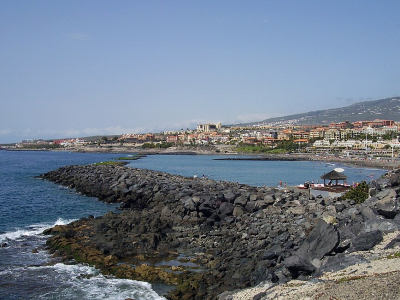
point(334, 175)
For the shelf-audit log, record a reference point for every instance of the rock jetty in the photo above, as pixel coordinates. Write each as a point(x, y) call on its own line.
point(220, 236)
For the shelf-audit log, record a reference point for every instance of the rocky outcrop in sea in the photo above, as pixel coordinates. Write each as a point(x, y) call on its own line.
point(208, 237)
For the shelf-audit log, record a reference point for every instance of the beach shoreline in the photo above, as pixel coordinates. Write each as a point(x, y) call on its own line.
point(379, 163)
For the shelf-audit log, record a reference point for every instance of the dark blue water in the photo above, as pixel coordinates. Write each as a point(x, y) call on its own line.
point(26, 200)
point(29, 205)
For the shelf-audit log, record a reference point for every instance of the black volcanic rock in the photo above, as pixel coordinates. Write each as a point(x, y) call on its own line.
point(366, 240)
point(321, 241)
point(238, 235)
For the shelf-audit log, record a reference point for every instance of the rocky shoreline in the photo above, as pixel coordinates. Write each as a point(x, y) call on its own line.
point(220, 236)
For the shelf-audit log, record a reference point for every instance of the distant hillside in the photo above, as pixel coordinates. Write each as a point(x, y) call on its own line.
point(384, 109)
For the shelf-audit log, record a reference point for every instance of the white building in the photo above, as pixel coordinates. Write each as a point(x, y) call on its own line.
point(209, 127)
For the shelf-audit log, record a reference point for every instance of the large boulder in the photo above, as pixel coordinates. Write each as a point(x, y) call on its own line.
point(366, 241)
point(238, 211)
point(298, 266)
point(241, 201)
point(387, 204)
point(269, 199)
point(188, 203)
point(251, 206)
point(394, 180)
point(347, 232)
point(339, 262)
point(321, 241)
point(206, 208)
point(229, 196)
point(384, 225)
point(226, 208)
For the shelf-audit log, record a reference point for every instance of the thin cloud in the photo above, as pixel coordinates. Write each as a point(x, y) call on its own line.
point(79, 36)
point(49, 134)
point(117, 130)
point(5, 131)
point(254, 117)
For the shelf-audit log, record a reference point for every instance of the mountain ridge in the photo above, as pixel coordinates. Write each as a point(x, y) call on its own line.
point(384, 109)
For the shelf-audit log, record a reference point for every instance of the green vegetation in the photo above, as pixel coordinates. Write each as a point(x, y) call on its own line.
point(282, 147)
point(359, 193)
point(351, 278)
point(252, 149)
point(394, 255)
point(133, 157)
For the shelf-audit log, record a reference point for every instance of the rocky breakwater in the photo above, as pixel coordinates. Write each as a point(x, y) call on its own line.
point(221, 236)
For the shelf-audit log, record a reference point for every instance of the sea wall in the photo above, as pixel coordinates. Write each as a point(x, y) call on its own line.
point(234, 235)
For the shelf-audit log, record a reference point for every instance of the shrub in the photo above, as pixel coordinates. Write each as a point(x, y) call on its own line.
point(360, 193)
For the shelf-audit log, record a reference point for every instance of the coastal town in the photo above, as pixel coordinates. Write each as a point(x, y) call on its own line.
point(200, 150)
point(275, 233)
point(377, 138)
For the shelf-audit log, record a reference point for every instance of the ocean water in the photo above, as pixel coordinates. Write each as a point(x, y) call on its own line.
point(29, 205)
point(256, 173)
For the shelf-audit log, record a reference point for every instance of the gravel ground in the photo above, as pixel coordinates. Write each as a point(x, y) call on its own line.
point(377, 279)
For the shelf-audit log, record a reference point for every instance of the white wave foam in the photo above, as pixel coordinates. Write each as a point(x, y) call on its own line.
point(31, 230)
point(85, 282)
point(61, 221)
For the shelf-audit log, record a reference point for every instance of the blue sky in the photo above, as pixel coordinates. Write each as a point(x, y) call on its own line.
point(80, 68)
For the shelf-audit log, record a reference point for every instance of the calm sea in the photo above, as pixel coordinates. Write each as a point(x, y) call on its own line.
point(29, 205)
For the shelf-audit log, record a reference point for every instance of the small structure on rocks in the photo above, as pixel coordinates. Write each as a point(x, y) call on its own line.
point(334, 175)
